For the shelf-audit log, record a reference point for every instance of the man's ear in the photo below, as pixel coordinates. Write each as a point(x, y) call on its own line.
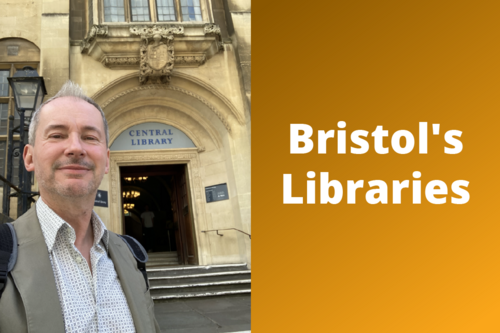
point(28, 158)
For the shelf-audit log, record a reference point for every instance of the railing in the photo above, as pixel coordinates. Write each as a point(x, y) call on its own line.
point(217, 231)
point(18, 190)
point(4, 216)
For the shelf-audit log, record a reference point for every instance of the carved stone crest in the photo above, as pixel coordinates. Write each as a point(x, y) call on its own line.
point(156, 52)
point(157, 56)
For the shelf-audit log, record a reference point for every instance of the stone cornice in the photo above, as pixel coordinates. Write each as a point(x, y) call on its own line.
point(118, 46)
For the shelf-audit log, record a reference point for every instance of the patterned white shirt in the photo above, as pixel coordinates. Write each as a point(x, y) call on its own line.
point(91, 302)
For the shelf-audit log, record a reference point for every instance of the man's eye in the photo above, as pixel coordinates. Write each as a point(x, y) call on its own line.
point(56, 136)
point(91, 138)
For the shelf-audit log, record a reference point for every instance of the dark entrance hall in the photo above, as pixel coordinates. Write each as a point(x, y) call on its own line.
point(164, 189)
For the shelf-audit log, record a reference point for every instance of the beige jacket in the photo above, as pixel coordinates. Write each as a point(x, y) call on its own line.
point(30, 302)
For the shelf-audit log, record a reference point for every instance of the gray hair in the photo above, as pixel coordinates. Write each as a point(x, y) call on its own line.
point(69, 89)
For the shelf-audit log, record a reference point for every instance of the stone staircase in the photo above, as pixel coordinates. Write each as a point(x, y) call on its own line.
point(162, 259)
point(197, 281)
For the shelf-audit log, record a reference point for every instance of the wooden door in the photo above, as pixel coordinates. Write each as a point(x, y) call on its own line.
point(181, 209)
point(187, 218)
point(175, 213)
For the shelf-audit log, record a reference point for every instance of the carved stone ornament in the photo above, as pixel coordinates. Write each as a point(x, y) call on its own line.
point(120, 61)
point(156, 52)
point(214, 29)
point(190, 60)
point(174, 88)
point(95, 30)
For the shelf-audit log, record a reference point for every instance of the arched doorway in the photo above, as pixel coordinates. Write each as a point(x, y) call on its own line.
point(156, 202)
point(218, 155)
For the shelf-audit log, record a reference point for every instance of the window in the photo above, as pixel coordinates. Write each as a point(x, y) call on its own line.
point(5, 102)
point(191, 10)
point(4, 84)
point(166, 10)
point(4, 118)
point(2, 158)
point(140, 10)
point(152, 10)
point(114, 11)
point(15, 54)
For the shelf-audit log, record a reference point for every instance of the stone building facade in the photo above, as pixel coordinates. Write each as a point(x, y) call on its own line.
point(173, 78)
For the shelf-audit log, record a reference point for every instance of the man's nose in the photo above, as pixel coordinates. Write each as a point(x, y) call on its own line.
point(75, 146)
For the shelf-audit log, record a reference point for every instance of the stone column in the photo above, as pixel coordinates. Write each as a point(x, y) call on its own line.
point(55, 45)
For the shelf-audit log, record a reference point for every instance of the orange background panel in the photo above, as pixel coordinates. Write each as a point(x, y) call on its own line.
point(362, 267)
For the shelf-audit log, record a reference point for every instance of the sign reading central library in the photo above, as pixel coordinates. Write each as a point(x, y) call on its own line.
point(151, 136)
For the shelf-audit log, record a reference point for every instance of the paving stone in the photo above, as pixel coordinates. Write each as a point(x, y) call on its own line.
point(211, 305)
point(192, 330)
point(205, 315)
point(183, 319)
point(234, 328)
point(229, 318)
point(172, 306)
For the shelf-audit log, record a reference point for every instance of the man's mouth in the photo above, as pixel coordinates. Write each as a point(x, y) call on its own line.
point(78, 166)
point(74, 167)
point(78, 169)
point(75, 170)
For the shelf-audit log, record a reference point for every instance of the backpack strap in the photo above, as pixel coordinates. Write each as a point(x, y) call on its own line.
point(8, 252)
point(140, 255)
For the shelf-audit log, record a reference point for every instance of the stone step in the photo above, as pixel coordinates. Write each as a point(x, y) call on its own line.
point(182, 281)
point(199, 278)
point(190, 270)
point(199, 287)
point(154, 255)
point(162, 259)
point(166, 297)
point(153, 259)
point(157, 260)
point(162, 265)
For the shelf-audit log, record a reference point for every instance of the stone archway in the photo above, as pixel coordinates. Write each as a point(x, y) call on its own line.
point(140, 106)
point(212, 123)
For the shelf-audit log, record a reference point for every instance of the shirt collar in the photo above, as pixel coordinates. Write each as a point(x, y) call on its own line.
point(52, 224)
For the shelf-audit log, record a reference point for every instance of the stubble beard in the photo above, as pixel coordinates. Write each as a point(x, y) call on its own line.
point(49, 183)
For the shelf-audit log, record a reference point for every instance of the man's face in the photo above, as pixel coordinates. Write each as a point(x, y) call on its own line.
point(70, 155)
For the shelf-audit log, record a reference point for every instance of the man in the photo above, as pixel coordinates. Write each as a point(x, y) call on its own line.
point(72, 275)
point(148, 223)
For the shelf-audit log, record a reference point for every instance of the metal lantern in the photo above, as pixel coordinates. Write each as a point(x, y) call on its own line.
point(29, 90)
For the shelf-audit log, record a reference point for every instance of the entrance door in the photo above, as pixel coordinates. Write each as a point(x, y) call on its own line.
point(166, 193)
point(183, 218)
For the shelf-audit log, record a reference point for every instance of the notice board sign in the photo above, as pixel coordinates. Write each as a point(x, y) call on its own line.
point(216, 193)
point(101, 199)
